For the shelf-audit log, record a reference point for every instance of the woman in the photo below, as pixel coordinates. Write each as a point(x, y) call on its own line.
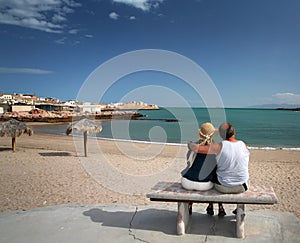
point(201, 169)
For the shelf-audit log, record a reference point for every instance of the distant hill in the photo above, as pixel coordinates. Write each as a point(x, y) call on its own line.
point(275, 106)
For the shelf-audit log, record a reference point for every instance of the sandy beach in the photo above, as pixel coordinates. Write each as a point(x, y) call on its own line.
point(51, 170)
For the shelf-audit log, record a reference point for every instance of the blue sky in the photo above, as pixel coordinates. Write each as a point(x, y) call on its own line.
point(250, 49)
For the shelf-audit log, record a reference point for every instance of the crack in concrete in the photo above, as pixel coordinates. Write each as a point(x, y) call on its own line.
point(130, 226)
point(213, 227)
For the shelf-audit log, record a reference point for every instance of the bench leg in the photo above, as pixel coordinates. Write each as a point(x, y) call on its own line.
point(183, 217)
point(240, 221)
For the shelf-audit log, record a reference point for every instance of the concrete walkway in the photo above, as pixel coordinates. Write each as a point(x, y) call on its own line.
point(154, 223)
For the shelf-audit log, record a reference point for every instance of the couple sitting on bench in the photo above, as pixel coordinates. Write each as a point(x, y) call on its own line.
point(221, 165)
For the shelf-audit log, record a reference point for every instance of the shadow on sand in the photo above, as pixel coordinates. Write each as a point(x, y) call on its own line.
point(162, 220)
point(55, 154)
point(5, 149)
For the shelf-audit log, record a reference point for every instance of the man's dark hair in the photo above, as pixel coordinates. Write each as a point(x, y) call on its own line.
point(226, 130)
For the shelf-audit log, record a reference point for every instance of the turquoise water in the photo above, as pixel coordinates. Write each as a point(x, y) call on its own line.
point(257, 127)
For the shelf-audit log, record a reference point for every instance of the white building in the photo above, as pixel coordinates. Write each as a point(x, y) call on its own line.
point(19, 108)
point(89, 108)
point(6, 97)
point(72, 102)
point(4, 107)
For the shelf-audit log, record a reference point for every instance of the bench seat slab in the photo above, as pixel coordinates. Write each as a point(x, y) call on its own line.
point(169, 191)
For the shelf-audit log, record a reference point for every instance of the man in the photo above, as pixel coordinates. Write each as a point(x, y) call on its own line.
point(232, 160)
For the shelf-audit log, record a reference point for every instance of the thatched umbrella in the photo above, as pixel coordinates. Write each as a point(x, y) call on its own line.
point(14, 128)
point(87, 127)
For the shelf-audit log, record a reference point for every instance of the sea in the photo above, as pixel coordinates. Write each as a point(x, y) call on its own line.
point(267, 129)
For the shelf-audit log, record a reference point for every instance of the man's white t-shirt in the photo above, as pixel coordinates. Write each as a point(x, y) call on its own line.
point(232, 164)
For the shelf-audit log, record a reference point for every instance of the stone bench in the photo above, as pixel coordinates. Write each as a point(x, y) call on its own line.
point(174, 192)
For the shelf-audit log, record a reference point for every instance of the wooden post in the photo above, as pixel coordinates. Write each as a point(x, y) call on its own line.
point(240, 221)
point(183, 217)
point(85, 143)
point(13, 143)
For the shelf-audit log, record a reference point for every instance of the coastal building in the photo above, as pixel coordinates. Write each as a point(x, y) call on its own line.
point(71, 102)
point(89, 108)
point(6, 97)
point(135, 105)
point(25, 97)
point(21, 107)
point(5, 107)
point(52, 100)
point(16, 103)
point(48, 106)
point(70, 105)
point(26, 102)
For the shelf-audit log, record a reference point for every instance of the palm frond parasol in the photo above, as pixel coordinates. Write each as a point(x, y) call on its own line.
point(14, 128)
point(87, 127)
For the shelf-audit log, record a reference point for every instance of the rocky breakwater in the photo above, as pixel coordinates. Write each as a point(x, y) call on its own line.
point(289, 109)
point(39, 115)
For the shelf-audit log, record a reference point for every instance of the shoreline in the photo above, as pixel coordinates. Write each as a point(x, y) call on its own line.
point(50, 170)
point(254, 147)
point(184, 145)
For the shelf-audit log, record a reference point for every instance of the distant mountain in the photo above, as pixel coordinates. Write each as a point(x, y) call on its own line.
point(274, 106)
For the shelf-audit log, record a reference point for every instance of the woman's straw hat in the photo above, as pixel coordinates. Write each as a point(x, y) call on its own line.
point(207, 131)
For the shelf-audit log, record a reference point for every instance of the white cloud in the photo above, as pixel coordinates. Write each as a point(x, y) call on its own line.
point(114, 15)
point(23, 70)
point(144, 5)
point(61, 41)
point(287, 98)
point(44, 15)
point(132, 17)
point(73, 31)
point(89, 36)
point(58, 18)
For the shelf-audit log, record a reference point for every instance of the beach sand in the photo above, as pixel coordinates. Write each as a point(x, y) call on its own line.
point(50, 170)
